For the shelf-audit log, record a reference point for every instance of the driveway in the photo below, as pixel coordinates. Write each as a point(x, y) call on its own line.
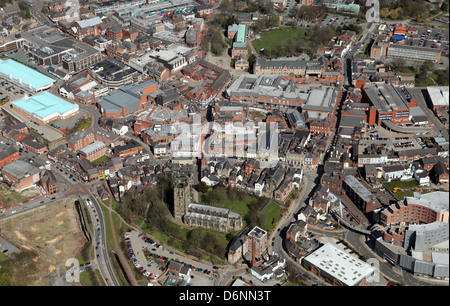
point(161, 256)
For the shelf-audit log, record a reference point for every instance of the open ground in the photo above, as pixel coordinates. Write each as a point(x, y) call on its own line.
point(48, 236)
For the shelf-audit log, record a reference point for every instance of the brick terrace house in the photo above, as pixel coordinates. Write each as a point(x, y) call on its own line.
point(48, 182)
point(21, 128)
point(33, 146)
point(8, 154)
point(439, 173)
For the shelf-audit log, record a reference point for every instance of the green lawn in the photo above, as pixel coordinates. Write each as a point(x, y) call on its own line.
point(272, 214)
point(271, 39)
point(406, 188)
point(102, 159)
point(425, 82)
point(240, 207)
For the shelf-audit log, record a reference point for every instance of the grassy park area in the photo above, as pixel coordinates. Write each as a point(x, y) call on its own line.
point(405, 188)
point(270, 40)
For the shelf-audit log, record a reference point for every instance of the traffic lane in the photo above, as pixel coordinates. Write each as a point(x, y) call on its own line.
point(23, 207)
point(99, 239)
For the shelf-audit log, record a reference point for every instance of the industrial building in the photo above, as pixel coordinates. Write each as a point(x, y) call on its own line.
point(45, 107)
point(24, 77)
point(127, 100)
point(338, 267)
point(20, 175)
point(388, 103)
point(93, 151)
point(438, 98)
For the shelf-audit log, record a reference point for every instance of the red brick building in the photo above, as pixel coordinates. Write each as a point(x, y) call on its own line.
point(85, 137)
point(8, 155)
point(48, 182)
point(93, 151)
point(34, 146)
point(129, 149)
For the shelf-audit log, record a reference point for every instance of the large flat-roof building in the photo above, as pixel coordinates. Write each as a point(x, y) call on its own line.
point(24, 77)
point(388, 103)
point(438, 97)
point(360, 195)
point(20, 175)
point(270, 90)
point(93, 151)
point(45, 107)
point(127, 100)
point(266, 90)
point(339, 267)
point(297, 67)
point(414, 53)
point(320, 102)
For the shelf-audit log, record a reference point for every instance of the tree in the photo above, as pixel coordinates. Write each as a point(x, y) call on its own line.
point(395, 13)
point(202, 187)
point(384, 12)
point(427, 66)
point(398, 64)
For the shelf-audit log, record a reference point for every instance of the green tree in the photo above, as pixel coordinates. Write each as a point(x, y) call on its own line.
point(384, 12)
point(5, 279)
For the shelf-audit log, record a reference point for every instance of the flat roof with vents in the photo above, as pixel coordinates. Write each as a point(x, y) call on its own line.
point(338, 264)
point(24, 76)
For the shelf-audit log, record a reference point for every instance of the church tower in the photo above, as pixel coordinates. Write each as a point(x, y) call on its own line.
point(181, 197)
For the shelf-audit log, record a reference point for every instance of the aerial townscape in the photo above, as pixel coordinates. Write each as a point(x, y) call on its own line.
point(224, 143)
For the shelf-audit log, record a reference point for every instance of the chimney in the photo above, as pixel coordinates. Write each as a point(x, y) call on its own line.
point(253, 251)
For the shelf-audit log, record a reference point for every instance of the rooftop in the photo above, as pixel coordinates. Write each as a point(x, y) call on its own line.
point(438, 95)
point(386, 98)
point(346, 268)
point(45, 105)
point(34, 80)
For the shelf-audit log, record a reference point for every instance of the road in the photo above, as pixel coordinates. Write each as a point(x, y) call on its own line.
point(363, 39)
point(277, 236)
point(418, 93)
point(102, 253)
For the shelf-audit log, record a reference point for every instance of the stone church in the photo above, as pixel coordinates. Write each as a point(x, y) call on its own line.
point(200, 215)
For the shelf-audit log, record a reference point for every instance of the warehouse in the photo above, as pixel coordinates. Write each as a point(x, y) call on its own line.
point(45, 107)
point(127, 100)
point(24, 77)
point(438, 97)
point(20, 175)
point(338, 267)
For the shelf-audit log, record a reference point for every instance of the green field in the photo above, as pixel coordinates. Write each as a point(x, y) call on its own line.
point(273, 38)
point(272, 216)
point(406, 188)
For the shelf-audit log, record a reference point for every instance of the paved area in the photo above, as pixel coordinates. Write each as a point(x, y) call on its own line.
point(44, 130)
point(7, 248)
point(159, 257)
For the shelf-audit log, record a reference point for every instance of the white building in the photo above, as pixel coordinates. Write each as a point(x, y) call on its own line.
point(339, 267)
point(274, 267)
point(395, 172)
